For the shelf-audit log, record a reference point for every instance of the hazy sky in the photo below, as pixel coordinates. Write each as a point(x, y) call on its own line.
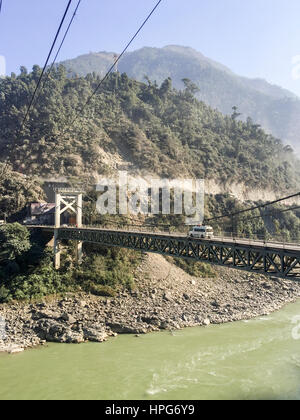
point(255, 38)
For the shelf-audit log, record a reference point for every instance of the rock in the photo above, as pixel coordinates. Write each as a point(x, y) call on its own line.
point(57, 332)
point(36, 315)
point(15, 349)
point(68, 318)
point(165, 304)
point(154, 321)
point(164, 325)
point(168, 297)
point(121, 328)
point(11, 348)
point(72, 337)
point(276, 279)
point(95, 335)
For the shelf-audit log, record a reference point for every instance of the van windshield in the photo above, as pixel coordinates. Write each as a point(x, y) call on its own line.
point(199, 230)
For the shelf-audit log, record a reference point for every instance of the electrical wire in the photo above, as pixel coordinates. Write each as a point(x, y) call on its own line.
point(46, 63)
point(269, 214)
point(6, 162)
point(58, 51)
point(181, 224)
point(252, 208)
point(79, 112)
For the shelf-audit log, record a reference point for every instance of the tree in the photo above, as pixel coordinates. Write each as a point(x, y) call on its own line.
point(166, 87)
point(235, 114)
point(16, 191)
point(14, 242)
point(23, 71)
point(190, 87)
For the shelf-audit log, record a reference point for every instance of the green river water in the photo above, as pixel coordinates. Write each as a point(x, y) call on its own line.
point(256, 359)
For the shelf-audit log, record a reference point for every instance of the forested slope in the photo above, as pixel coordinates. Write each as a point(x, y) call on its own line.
point(153, 129)
point(276, 109)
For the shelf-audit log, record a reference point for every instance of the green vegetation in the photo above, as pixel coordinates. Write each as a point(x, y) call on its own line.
point(156, 129)
point(275, 221)
point(107, 269)
point(196, 269)
point(14, 242)
point(25, 266)
point(27, 273)
point(17, 190)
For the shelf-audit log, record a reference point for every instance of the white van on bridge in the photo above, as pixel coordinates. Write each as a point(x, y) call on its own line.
point(201, 232)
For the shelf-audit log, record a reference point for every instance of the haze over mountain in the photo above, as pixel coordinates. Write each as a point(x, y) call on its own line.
point(276, 109)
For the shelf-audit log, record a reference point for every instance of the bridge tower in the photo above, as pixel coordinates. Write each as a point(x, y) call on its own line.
point(67, 199)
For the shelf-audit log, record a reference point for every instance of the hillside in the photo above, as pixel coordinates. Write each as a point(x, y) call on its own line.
point(145, 128)
point(16, 191)
point(276, 109)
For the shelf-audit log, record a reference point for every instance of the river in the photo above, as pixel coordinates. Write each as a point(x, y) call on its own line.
point(257, 359)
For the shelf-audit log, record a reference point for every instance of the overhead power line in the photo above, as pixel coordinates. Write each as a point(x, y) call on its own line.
point(79, 112)
point(252, 208)
point(6, 162)
point(168, 226)
point(272, 213)
point(58, 51)
point(46, 63)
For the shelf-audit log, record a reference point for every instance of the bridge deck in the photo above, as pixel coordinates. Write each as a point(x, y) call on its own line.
point(273, 258)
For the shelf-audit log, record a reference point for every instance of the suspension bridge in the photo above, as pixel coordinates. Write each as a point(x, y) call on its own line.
point(258, 256)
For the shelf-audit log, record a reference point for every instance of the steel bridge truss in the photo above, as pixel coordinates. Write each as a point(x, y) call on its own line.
point(274, 261)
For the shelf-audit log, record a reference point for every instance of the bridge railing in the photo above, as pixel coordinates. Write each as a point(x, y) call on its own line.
point(223, 236)
point(137, 228)
point(274, 239)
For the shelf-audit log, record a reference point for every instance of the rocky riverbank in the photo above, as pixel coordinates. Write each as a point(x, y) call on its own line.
point(165, 298)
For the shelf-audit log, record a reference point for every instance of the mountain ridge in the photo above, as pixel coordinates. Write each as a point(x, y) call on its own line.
point(276, 109)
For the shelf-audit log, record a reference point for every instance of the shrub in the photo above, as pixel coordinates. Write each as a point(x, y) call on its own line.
point(194, 268)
